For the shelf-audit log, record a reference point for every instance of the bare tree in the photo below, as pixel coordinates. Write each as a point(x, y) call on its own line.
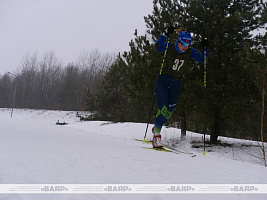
point(26, 80)
point(262, 116)
point(94, 65)
point(6, 88)
point(45, 83)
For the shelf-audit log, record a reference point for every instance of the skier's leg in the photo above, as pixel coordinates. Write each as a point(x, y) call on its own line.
point(162, 101)
point(166, 107)
point(174, 91)
point(167, 97)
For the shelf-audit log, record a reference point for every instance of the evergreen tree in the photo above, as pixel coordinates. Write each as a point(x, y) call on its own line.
point(141, 67)
point(227, 24)
point(127, 91)
point(110, 101)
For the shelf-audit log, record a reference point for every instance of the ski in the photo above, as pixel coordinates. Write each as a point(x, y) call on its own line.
point(164, 149)
point(161, 149)
point(180, 151)
point(168, 148)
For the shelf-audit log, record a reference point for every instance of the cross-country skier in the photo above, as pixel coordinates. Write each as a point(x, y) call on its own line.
point(167, 85)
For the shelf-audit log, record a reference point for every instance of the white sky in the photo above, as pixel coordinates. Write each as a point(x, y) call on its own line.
point(68, 27)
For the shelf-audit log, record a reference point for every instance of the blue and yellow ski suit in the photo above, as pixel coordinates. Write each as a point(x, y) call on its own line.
point(167, 85)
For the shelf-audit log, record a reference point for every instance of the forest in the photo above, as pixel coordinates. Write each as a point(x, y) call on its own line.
point(120, 87)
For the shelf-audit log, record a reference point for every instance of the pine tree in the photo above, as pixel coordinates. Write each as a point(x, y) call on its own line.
point(142, 65)
point(128, 88)
point(228, 24)
point(110, 101)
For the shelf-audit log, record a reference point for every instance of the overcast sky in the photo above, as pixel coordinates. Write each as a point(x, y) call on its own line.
point(68, 27)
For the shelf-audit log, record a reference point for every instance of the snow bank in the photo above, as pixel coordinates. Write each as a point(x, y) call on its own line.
point(33, 150)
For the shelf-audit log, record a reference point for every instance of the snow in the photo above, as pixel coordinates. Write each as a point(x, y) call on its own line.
point(33, 150)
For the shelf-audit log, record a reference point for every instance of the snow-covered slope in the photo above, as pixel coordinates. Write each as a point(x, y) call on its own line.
point(33, 150)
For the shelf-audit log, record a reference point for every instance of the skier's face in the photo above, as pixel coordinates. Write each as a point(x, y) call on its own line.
point(182, 48)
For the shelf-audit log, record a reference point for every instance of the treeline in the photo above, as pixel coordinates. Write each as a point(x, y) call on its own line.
point(47, 84)
point(236, 70)
point(121, 88)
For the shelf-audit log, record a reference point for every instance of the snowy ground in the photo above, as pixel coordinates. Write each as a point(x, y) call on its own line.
point(33, 150)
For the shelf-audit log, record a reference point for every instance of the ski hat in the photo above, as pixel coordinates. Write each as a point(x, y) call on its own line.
point(184, 37)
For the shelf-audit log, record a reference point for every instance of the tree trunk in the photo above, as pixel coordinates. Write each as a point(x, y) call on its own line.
point(215, 130)
point(182, 116)
point(262, 116)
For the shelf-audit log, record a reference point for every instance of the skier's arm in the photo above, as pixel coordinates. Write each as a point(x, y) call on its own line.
point(160, 45)
point(198, 56)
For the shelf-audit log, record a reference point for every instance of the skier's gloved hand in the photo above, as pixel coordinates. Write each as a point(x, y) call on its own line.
point(205, 43)
point(169, 31)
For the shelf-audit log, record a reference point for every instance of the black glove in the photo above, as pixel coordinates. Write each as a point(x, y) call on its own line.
point(205, 43)
point(169, 31)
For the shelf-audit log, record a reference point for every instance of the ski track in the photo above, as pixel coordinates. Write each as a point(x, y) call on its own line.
point(33, 150)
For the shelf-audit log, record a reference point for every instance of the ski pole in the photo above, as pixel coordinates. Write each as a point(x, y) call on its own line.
point(154, 96)
point(205, 86)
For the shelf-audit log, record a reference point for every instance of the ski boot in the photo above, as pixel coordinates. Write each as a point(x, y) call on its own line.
point(156, 140)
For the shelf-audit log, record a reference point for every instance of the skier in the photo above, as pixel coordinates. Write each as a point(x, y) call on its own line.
point(167, 84)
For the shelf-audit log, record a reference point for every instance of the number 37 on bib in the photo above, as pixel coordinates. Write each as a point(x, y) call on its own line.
point(177, 64)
